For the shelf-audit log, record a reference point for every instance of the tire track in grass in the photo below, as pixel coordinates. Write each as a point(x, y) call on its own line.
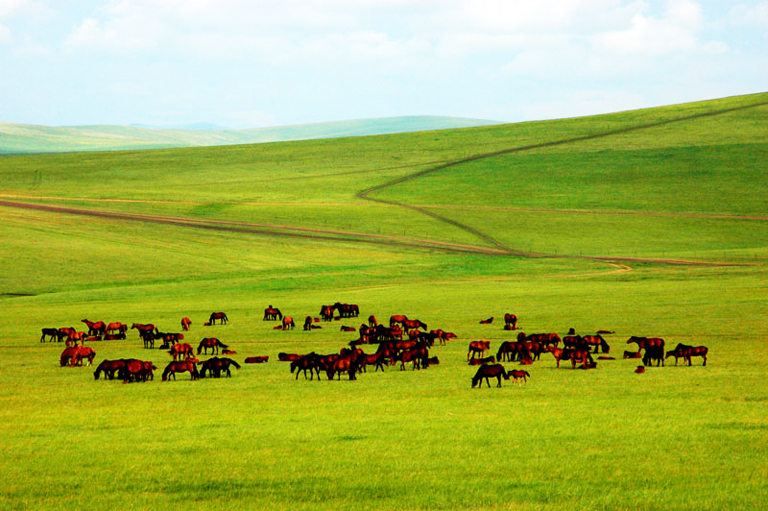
point(366, 194)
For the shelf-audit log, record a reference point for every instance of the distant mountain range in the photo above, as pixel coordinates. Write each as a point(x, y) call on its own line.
point(25, 138)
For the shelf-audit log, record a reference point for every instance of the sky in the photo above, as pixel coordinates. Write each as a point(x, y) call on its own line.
point(258, 63)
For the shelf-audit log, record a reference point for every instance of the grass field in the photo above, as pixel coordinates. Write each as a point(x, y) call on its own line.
point(651, 222)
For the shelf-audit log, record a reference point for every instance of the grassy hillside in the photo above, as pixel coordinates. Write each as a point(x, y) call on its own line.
point(21, 138)
point(644, 223)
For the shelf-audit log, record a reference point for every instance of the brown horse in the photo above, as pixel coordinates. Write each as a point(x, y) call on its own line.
point(288, 323)
point(546, 339)
point(309, 362)
point(257, 360)
point(210, 342)
point(109, 368)
point(347, 310)
point(214, 366)
point(75, 355)
point(118, 327)
point(181, 366)
point(481, 361)
point(486, 321)
point(372, 320)
point(510, 350)
point(143, 329)
point(288, 357)
point(397, 319)
point(598, 342)
point(518, 374)
point(417, 356)
point(346, 364)
point(489, 371)
point(185, 349)
point(137, 370)
point(272, 314)
point(510, 320)
point(478, 348)
point(686, 352)
point(185, 323)
point(559, 353)
point(326, 312)
point(220, 316)
point(414, 324)
point(95, 328)
point(644, 342)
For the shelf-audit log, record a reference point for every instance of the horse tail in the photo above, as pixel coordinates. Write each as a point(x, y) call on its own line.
point(280, 314)
point(221, 344)
point(235, 364)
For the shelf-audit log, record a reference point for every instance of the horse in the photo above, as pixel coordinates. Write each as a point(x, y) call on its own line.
point(181, 366)
point(486, 321)
point(272, 314)
point(654, 352)
point(74, 337)
point(168, 338)
point(185, 322)
point(512, 350)
point(95, 328)
point(476, 347)
point(397, 319)
point(481, 361)
point(348, 329)
point(307, 323)
point(686, 352)
point(214, 366)
point(288, 323)
point(632, 354)
point(309, 362)
point(109, 368)
point(644, 342)
point(137, 370)
point(489, 371)
point(510, 320)
point(582, 357)
point(375, 359)
point(598, 342)
point(221, 316)
point(414, 324)
point(210, 342)
point(66, 332)
point(326, 312)
point(443, 336)
point(572, 341)
point(418, 356)
point(143, 329)
point(346, 364)
point(257, 360)
point(518, 374)
point(181, 349)
point(546, 339)
point(559, 353)
point(118, 327)
point(54, 333)
point(288, 357)
point(639, 369)
point(75, 355)
point(372, 320)
point(347, 310)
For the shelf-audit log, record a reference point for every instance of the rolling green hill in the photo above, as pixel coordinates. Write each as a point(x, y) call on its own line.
point(22, 138)
point(649, 223)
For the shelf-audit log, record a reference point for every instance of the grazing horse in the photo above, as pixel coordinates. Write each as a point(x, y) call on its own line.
point(347, 310)
point(75, 355)
point(418, 356)
point(288, 323)
point(95, 328)
point(185, 322)
point(221, 316)
point(543, 339)
point(177, 350)
point(307, 323)
point(583, 358)
point(214, 366)
point(272, 314)
point(309, 362)
point(511, 351)
point(597, 341)
point(326, 312)
point(181, 366)
point(478, 347)
point(137, 370)
point(486, 321)
point(54, 333)
point(686, 352)
point(346, 364)
point(489, 371)
point(654, 352)
point(66, 332)
point(518, 374)
point(372, 320)
point(443, 336)
point(414, 324)
point(559, 353)
point(109, 368)
point(144, 329)
point(375, 359)
point(257, 360)
point(644, 342)
point(510, 321)
point(210, 342)
point(397, 319)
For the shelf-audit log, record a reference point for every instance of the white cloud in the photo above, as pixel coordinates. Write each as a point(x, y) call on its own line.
point(754, 15)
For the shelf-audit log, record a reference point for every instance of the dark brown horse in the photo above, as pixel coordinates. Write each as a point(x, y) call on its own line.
point(686, 352)
point(211, 343)
point(54, 333)
point(185, 323)
point(486, 321)
point(347, 310)
point(220, 316)
point(180, 366)
point(326, 312)
point(109, 368)
point(288, 357)
point(510, 350)
point(481, 361)
point(397, 319)
point(117, 327)
point(510, 321)
point(215, 366)
point(257, 360)
point(414, 324)
point(309, 362)
point(644, 342)
point(489, 371)
point(345, 364)
point(654, 352)
point(598, 342)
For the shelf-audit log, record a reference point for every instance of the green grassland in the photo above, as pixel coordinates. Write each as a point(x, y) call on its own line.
point(647, 223)
point(25, 138)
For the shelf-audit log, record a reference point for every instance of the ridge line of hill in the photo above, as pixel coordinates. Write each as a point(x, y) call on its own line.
point(366, 193)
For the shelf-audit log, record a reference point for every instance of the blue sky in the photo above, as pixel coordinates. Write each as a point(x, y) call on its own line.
point(252, 63)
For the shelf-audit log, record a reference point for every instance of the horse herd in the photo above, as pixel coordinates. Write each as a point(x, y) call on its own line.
point(392, 347)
